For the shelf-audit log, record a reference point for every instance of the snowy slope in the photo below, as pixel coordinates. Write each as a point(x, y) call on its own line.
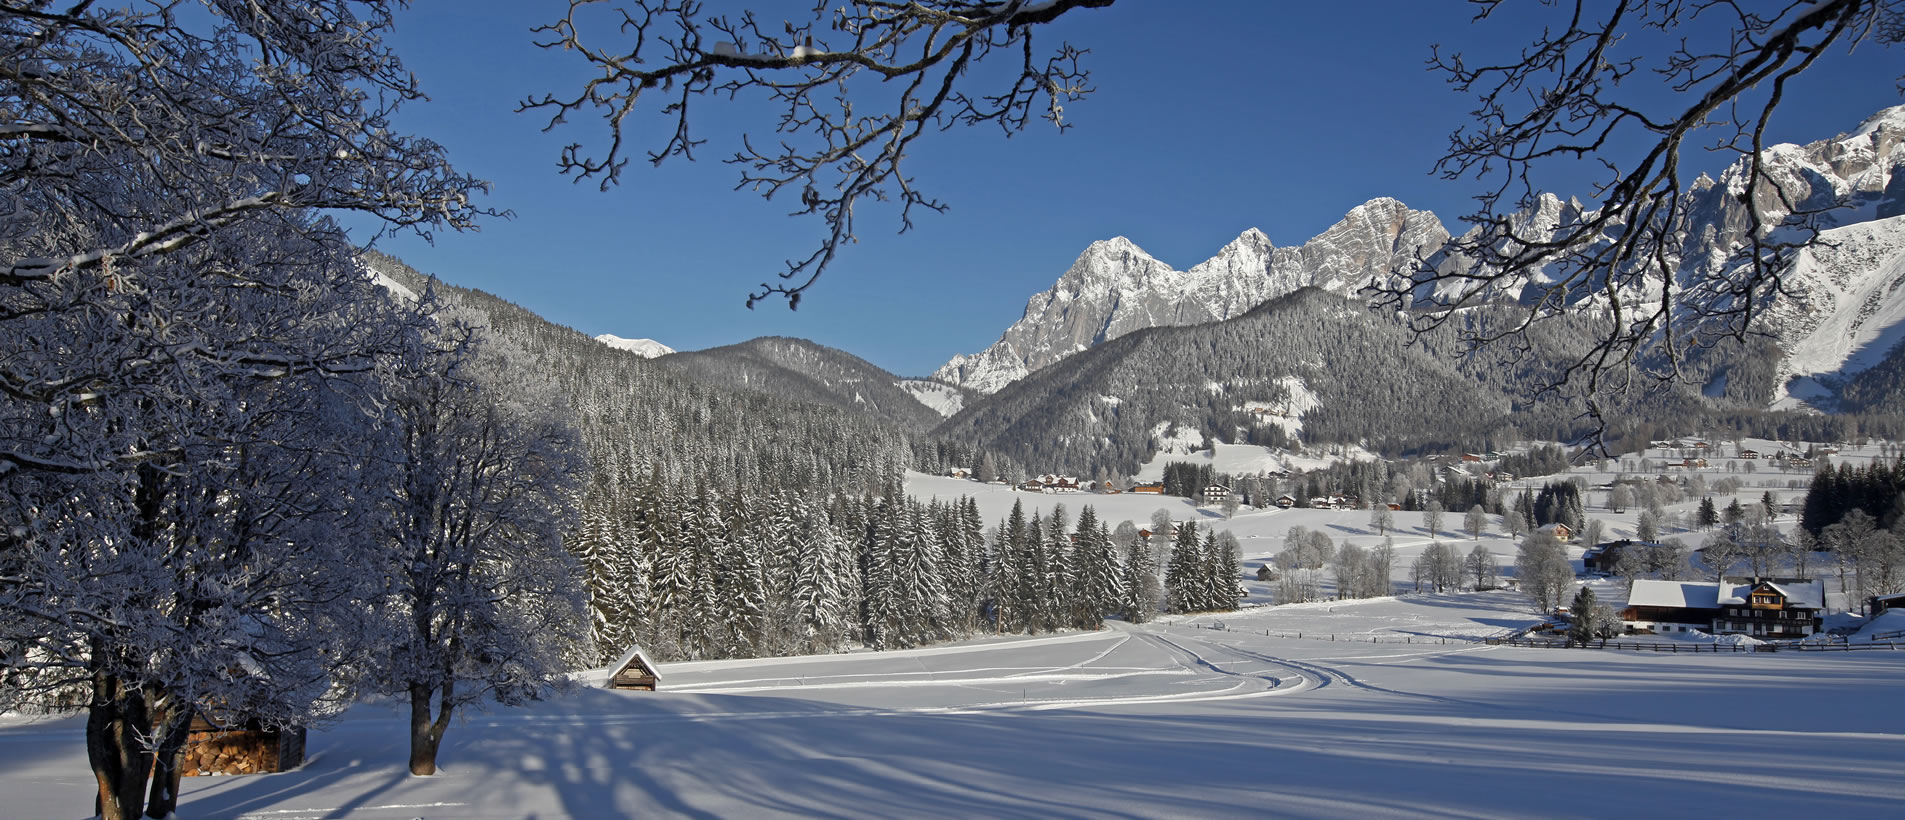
point(945, 399)
point(1844, 308)
point(396, 288)
point(1250, 459)
point(645, 348)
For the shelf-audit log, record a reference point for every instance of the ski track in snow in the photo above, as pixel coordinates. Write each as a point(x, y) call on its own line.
point(892, 734)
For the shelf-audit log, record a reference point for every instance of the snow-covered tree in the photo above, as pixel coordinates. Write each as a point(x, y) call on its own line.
point(1707, 516)
point(1099, 585)
point(1647, 526)
point(1595, 532)
point(1589, 619)
point(1475, 521)
point(160, 163)
point(1541, 566)
point(1183, 576)
point(482, 599)
point(1011, 612)
point(1720, 552)
point(1381, 518)
point(1142, 592)
point(1481, 567)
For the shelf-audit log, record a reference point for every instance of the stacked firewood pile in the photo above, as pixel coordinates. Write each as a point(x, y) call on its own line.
point(249, 749)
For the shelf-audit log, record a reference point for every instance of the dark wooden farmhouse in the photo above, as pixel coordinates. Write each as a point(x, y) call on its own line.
point(1605, 556)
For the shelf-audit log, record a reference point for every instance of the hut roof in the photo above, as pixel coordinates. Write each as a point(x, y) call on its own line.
point(634, 652)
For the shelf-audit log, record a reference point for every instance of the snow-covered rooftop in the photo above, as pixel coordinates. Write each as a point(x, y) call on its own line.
point(1709, 595)
point(1674, 594)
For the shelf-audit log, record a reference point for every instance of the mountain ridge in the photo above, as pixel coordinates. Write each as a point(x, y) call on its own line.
point(1115, 288)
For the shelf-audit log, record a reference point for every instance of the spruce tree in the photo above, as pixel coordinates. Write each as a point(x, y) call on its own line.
point(1140, 587)
point(1182, 575)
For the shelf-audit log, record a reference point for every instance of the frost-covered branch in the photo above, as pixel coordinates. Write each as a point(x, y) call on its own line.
point(1561, 98)
point(840, 138)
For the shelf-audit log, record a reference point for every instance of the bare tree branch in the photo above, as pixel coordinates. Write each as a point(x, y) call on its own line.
point(839, 141)
point(1630, 254)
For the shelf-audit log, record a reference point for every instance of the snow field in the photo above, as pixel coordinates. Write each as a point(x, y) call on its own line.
point(1163, 720)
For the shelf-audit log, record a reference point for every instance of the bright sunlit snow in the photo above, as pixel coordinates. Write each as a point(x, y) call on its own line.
point(1163, 720)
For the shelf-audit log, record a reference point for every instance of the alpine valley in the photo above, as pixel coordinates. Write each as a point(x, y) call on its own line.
point(1125, 360)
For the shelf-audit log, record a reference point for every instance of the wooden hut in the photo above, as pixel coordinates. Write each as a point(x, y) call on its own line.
point(634, 671)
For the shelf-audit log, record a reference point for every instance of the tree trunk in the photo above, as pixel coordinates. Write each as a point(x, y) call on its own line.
point(163, 798)
point(114, 724)
point(423, 743)
point(426, 735)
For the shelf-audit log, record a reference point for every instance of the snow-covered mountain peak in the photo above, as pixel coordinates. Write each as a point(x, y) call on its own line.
point(645, 348)
point(1890, 120)
point(1115, 287)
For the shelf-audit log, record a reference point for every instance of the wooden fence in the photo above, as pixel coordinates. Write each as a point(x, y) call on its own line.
point(1517, 639)
point(1427, 640)
point(1676, 648)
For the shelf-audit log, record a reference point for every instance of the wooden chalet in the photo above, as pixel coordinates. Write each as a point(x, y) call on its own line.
point(1764, 609)
point(634, 671)
point(1560, 531)
point(1286, 502)
point(1151, 489)
point(1761, 608)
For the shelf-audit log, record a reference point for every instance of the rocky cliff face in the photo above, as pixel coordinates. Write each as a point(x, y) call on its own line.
point(1115, 287)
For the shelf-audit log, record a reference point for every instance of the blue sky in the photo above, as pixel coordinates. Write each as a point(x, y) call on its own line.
point(1210, 117)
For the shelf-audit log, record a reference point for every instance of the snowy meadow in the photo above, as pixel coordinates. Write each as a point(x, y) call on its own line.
point(1165, 719)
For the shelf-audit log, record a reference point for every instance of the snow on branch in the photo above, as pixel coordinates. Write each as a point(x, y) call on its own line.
point(1560, 97)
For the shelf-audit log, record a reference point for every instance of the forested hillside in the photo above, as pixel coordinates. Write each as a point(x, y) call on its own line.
point(1310, 364)
point(636, 417)
point(803, 371)
point(1311, 368)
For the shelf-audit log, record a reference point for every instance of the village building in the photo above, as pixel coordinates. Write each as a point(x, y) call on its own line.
point(1059, 483)
point(1286, 502)
point(1560, 531)
point(1605, 556)
point(1150, 489)
point(1145, 532)
point(1880, 603)
point(1215, 494)
point(1761, 609)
